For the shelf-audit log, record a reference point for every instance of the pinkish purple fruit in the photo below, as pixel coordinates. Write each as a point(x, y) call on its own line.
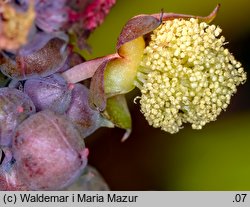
point(9, 180)
point(51, 92)
point(50, 154)
point(15, 106)
point(90, 180)
point(86, 119)
point(42, 62)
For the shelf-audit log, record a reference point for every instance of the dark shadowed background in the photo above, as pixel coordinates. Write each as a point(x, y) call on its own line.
point(214, 158)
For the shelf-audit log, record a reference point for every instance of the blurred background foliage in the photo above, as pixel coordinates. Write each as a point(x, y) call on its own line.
point(214, 158)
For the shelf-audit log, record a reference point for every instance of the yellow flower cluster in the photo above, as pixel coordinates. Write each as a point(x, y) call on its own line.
point(186, 75)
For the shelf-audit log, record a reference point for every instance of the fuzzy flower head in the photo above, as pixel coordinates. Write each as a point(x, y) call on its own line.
point(186, 75)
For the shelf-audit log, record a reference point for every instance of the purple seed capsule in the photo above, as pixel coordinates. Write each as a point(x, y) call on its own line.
point(51, 92)
point(9, 180)
point(15, 106)
point(50, 154)
point(86, 119)
point(90, 180)
point(31, 63)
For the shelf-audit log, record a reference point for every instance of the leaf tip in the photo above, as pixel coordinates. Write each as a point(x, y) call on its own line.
point(213, 14)
point(126, 135)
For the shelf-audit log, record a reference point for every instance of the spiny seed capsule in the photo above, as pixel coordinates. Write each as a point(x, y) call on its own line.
point(186, 75)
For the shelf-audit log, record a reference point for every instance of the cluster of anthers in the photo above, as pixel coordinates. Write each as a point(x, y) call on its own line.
point(186, 75)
